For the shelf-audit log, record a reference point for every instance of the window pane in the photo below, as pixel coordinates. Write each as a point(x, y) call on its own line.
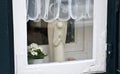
point(60, 41)
point(78, 43)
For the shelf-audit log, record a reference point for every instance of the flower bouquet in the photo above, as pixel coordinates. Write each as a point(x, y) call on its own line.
point(35, 53)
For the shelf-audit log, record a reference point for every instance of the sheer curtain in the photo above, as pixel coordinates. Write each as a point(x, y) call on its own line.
point(63, 10)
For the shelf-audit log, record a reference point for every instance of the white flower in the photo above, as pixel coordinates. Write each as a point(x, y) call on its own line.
point(40, 48)
point(34, 49)
point(33, 46)
point(34, 53)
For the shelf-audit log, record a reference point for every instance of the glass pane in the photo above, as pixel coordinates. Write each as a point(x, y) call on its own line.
point(59, 41)
point(78, 9)
point(33, 9)
point(64, 10)
point(52, 10)
point(89, 8)
point(78, 43)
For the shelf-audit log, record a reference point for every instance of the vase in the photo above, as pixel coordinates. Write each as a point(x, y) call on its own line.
point(35, 61)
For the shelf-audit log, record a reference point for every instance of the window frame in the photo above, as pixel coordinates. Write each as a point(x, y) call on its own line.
point(96, 64)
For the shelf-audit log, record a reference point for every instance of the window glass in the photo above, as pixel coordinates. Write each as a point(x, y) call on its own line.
point(60, 41)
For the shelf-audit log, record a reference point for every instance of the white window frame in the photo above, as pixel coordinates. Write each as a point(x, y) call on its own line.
point(96, 64)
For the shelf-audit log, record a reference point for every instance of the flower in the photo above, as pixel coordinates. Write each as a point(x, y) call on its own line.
point(35, 51)
point(40, 48)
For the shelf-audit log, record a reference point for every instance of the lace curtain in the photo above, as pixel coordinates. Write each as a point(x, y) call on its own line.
point(63, 10)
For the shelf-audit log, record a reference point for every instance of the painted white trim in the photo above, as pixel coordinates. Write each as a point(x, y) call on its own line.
point(97, 64)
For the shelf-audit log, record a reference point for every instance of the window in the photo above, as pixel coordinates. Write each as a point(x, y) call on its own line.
point(85, 46)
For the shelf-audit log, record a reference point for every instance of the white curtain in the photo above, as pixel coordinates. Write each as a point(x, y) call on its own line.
point(63, 10)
